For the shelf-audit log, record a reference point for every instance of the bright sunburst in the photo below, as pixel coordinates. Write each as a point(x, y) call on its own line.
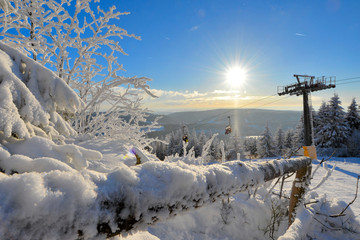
point(235, 76)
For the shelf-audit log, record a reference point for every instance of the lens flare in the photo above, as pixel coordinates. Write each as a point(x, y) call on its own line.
point(235, 76)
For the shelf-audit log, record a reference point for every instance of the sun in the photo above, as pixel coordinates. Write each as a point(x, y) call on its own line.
point(235, 76)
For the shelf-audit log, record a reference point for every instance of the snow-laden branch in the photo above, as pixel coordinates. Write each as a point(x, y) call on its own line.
point(32, 97)
point(325, 177)
point(81, 42)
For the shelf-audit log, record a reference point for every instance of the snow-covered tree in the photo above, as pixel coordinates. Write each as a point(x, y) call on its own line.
point(174, 143)
point(320, 120)
point(49, 31)
point(352, 116)
point(288, 139)
point(250, 146)
point(265, 144)
point(334, 129)
point(299, 135)
point(215, 151)
point(233, 147)
point(279, 142)
point(202, 139)
point(33, 99)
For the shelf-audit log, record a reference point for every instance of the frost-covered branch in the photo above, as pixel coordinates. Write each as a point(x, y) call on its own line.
point(325, 177)
point(32, 98)
point(81, 43)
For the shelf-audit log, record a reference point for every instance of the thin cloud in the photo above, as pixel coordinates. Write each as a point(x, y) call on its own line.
point(168, 100)
point(300, 34)
point(195, 28)
point(201, 13)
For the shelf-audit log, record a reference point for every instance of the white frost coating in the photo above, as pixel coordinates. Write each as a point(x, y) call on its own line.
point(298, 228)
point(55, 92)
point(10, 121)
point(31, 95)
point(222, 149)
point(141, 154)
point(21, 164)
point(325, 177)
point(41, 206)
point(38, 147)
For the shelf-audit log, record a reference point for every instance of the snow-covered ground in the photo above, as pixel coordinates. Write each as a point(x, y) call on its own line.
point(341, 184)
point(207, 223)
point(247, 217)
point(49, 199)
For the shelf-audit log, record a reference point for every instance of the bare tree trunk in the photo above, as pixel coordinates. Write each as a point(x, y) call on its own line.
point(32, 32)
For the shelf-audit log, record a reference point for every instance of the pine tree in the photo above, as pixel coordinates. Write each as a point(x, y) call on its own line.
point(233, 147)
point(215, 149)
point(352, 116)
point(299, 135)
point(250, 146)
point(200, 143)
point(279, 142)
point(288, 140)
point(321, 120)
point(353, 120)
point(335, 129)
point(265, 144)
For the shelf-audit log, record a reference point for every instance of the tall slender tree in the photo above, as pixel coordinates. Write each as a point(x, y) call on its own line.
point(352, 116)
point(265, 144)
point(335, 129)
point(321, 120)
point(279, 142)
point(288, 141)
point(299, 139)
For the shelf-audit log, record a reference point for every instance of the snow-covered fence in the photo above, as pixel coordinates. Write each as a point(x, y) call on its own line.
point(162, 190)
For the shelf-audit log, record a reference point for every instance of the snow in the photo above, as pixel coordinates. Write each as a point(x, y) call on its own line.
point(30, 96)
point(72, 189)
point(49, 195)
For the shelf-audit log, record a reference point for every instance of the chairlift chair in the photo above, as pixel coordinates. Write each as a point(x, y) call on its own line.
point(185, 136)
point(228, 129)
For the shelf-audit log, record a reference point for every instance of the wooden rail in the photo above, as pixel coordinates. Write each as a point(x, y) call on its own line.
point(135, 211)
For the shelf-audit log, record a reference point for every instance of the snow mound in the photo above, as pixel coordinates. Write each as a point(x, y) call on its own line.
point(31, 98)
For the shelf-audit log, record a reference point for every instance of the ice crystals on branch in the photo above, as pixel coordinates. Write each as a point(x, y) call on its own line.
point(32, 97)
point(80, 41)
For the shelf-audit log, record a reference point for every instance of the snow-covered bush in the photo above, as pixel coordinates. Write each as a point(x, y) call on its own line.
point(50, 31)
point(32, 98)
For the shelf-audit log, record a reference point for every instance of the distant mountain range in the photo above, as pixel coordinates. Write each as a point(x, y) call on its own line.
point(244, 122)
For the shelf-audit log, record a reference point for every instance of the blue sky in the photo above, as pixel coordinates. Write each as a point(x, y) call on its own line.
point(187, 46)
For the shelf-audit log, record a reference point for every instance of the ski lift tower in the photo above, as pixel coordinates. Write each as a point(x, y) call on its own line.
point(304, 87)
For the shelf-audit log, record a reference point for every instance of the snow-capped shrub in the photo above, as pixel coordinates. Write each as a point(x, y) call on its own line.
point(32, 98)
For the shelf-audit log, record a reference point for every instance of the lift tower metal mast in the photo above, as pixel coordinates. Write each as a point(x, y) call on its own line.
point(304, 87)
point(309, 84)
